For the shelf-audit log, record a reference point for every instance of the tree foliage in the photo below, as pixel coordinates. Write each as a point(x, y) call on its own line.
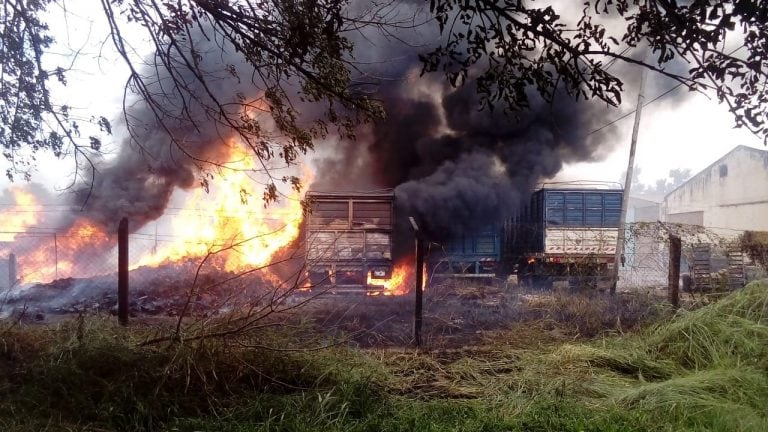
point(507, 47)
point(24, 96)
point(298, 54)
point(755, 245)
point(661, 186)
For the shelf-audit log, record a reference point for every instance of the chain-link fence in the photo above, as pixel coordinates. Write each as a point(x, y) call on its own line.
point(166, 274)
point(76, 270)
point(583, 256)
point(45, 257)
point(646, 257)
point(711, 258)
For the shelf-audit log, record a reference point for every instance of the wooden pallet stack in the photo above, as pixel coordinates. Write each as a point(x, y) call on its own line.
point(736, 277)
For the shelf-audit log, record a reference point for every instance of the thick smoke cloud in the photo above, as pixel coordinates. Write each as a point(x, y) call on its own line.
point(453, 167)
point(456, 168)
point(149, 166)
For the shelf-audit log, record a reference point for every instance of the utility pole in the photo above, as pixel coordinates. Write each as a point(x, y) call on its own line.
point(154, 248)
point(628, 183)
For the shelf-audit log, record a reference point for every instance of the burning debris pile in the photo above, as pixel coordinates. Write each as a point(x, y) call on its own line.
point(165, 290)
point(223, 221)
point(195, 177)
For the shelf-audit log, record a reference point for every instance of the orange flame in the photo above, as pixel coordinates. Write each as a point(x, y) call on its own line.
point(237, 228)
point(229, 223)
point(400, 283)
point(59, 258)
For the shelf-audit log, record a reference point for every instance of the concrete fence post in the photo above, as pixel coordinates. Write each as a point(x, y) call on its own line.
point(12, 278)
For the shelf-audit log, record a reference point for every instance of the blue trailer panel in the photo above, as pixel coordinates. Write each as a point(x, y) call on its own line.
point(472, 255)
point(565, 208)
point(567, 234)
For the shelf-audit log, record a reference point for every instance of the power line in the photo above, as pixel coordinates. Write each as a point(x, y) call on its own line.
point(647, 103)
point(633, 111)
point(615, 59)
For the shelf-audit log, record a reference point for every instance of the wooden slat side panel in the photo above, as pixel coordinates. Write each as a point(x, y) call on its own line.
point(378, 246)
point(598, 241)
point(373, 214)
point(329, 215)
point(321, 245)
point(335, 245)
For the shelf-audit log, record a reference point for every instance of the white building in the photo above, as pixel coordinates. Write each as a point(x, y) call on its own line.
point(642, 209)
point(729, 196)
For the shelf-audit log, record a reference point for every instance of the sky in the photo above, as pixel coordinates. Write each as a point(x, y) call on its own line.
point(679, 131)
point(691, 134)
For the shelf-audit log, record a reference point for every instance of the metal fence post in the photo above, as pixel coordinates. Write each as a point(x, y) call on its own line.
point(122, 272)
point(56, 255)
point(675, 251)
point(418, 309)
point(11, 270)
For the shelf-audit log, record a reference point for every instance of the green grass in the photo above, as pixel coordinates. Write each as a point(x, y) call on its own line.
point(701, 370)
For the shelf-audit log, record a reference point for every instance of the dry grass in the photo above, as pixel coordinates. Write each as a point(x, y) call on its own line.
point(462, 313)
point(700, 370)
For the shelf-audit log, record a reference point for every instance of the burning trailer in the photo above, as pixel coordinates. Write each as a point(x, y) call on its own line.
point(349, 240)
point(565, 236)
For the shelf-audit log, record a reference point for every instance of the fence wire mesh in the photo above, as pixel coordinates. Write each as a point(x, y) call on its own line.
point(84, 259)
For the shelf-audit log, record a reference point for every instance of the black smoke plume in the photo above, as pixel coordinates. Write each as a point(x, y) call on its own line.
point(454, 167)
point(172, 143)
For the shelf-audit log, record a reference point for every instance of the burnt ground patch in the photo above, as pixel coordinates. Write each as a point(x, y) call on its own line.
point(457, 313)
point(462, 313)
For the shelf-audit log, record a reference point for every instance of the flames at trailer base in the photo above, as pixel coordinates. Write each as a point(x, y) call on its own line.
point(402, 280)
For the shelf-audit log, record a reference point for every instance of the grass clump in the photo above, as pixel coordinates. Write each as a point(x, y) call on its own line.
point(93, 374)
point(731, 330)
point(700, 370)
point(720, 398)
